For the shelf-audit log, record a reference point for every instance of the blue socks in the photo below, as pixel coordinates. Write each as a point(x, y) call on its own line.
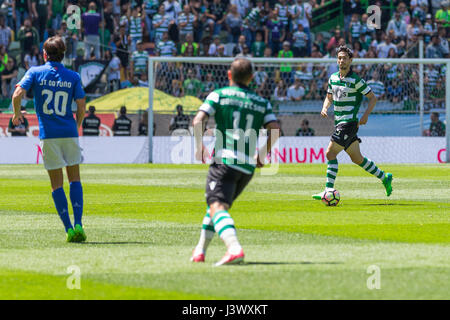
point(59, 197)
point(76, 197)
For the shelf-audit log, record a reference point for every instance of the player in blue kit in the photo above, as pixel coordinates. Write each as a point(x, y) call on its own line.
point(55, 88)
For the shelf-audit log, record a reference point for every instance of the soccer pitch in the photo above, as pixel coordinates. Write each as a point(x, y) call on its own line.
point(142, 222)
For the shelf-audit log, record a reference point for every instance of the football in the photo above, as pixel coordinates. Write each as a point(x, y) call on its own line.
point(331, 198)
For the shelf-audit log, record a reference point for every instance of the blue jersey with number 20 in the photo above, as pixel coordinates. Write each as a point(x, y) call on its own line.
point(54, 87)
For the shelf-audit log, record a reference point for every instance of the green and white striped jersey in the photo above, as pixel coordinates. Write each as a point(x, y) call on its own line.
point(135, 28)
point(140, 59)
point(347, 96)
point(189, 18)
point(239, 114)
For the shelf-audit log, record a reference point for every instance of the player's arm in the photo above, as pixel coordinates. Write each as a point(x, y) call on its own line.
point(17, 102)
point(371, 105)
point(81, 110)
point(272, 137)
point(326, 105)
point(199, 124)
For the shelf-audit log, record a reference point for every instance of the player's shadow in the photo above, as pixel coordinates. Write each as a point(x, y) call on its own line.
point(285, 263)
point(393, 204)
point(115, 242)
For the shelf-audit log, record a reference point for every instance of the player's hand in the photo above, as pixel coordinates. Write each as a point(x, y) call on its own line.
point(363, 120)
point(17, 119)
point(323, 113)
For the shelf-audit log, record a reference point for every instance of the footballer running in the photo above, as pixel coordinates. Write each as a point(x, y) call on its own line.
point(345, 92)
point(238, 111)
point(54, 88)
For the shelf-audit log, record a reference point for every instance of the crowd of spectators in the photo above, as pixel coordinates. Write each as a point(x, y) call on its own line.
point(126, 32)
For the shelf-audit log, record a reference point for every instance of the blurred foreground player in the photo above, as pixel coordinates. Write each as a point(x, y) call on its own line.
point(54, 88)
point(239, 114)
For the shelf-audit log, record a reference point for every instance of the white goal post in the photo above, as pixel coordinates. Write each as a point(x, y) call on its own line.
point(153, 61)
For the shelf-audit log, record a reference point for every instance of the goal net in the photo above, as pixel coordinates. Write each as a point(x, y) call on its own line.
point(410, 92)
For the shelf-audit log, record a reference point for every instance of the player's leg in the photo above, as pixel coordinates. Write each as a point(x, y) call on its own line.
point(76, 198)
point(60, 200)
point(206, 235)
point(355, 154)
point(332, 167)
point(53, 163)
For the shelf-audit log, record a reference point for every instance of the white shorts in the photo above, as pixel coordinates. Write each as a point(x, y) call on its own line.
point(61, 152)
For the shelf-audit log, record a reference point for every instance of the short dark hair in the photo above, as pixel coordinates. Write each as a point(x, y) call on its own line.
point(91, 109)
point(305, 121)
point(345, 49)
point(436, 114)
point(55, 48)
point(241, 70)
point(123, 110)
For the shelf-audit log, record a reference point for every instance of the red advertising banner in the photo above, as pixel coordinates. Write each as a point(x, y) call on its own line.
point(107, 121)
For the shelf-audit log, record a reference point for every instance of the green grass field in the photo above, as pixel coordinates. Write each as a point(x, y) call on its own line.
point(142, 222)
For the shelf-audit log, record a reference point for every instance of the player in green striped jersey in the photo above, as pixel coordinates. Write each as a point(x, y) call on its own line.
point(345, 92)
point(239, 113)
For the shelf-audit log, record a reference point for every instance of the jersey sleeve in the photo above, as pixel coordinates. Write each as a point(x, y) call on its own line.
point(362, 87)
point(329, 89)
point(27, 80)
point(78, 92)
point(210, 104)
point(269, 116)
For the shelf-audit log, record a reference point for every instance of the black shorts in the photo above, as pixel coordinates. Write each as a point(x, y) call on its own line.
point(345, 134)
point(224, 184)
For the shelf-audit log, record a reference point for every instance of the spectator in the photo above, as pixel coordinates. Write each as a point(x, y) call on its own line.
point(21, 9)
point(28, 36)
point(192, 86)
point(91, 123)
point(429, 28)
point(139, 60)
point(122, 51)
point(176, 89)
point(166, 47)
point(221, 51)
point(239, 48)
point(9, 77)
point(377, 86)
point(275, 33)
point(420, 11)
point(296, 92)
point(437, 127)
point(217, 8)
point(258, 47)
point(208, 19)
point(404, 13)
point(122, 125)
point(285, 68)
point(209, 86)
point(135, 28)
point(233, 22)
point(280, 92)
point(301, 13)
point(20, 130)
point(320, 43)
point(260, 77)
point(305, 130)
point(358, 51)
point(312, 92)
point(395, 91)
point(180, 121)
point(41, 11)
point(5, 32)
point(113, 71)
point(32, 59)
point(143, 125)
point(300, 39)
point(161, 22)
point(212, 51)
point(333, 43)
point(283, 13)
point(434, 49)
point(173, 9)
point(91, 23)
point(242, 6)
point(150, 8)
point(443, 15)
point(185, 22)
point(190, 42)
point(398, 25)
point(252, 23)
point(414, 28)
point(384, 47)
point(442, 32)
point(57, 13)
point(355, 28)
